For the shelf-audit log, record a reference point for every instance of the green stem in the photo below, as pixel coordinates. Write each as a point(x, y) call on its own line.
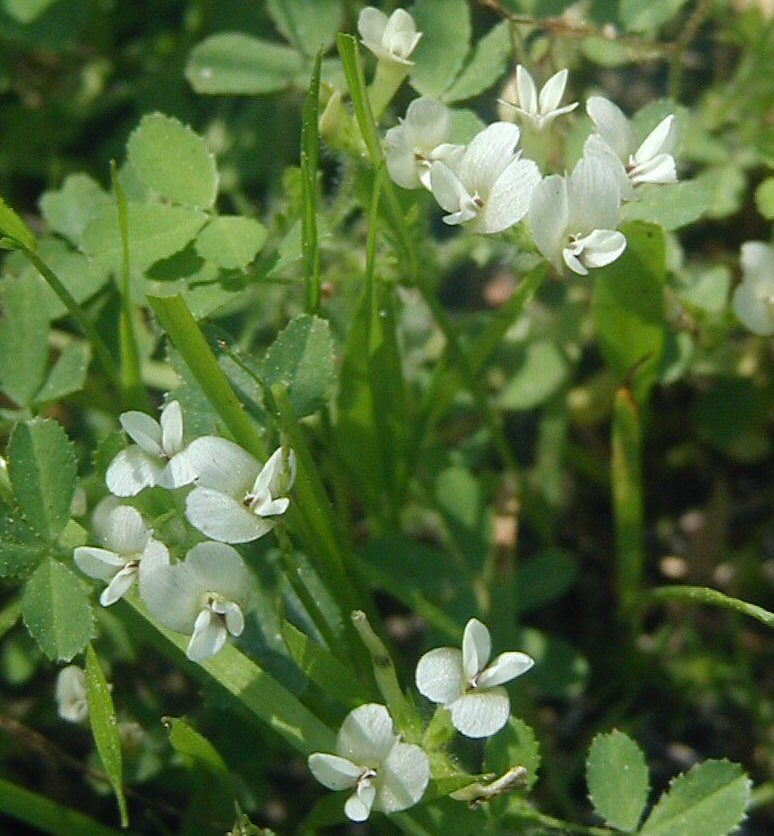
point(90, 332)
point(705, 595)
point(626, 477)
point(131, 367)
point(184, 332)
point(389, 76)
point(310, 147)
point(255, 689)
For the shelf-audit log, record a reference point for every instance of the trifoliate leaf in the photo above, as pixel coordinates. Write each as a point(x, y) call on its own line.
point(232, 242)
point(308, 26)
point(69, 209)
point(617, 777)
point(440, 54)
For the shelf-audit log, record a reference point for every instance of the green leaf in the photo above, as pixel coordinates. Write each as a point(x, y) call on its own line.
point(617, 777)
point(671, 206)
point(544, 578)
point(20, 549)
point(57, 611)
point(25, 11)
point(43, 474)
point(710, 799)
point(173, 161)
point(156, 231)
point(23, 339)
point(308, 26)
point(706, 288)
point(192, 745)
point(322, 667)
point(515, 745)
point(543, 371)
point(486, 66)
point(440, 54)
point(459, 497)
point(69, 209)
point(231, 241)
point(628, 308)
point(560, 670)
point(104, 727)
point(14, 228)
point(302, 358)
point(68, 374)
point(233, 63)
point(642, 17)
point(764, 198)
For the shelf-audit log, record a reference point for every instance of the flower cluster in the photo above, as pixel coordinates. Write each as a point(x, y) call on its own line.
point(489, 186)
point(232, 499)
point(388, 774)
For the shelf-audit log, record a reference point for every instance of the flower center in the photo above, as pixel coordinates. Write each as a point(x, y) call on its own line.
point(367, 777)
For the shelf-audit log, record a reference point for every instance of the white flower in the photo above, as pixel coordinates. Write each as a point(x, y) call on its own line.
point(419, 140)
point(205, 595)
point(70, 694)
point(615, 143)
point(539, 110)
point(130, 555)
point(470, 688)
point(390, 39)
point(753, 299)
point(386, 774)
point(235, 499)
point(157, 457)
point(573, 218)
point(489, 186)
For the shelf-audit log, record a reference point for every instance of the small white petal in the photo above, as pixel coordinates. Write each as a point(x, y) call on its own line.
point(209, 636)
point(439, 675)
point(402, 164)
point(481, 713)
point(371, 25)
point(235, 620)
point(132, 470)
point(594, 198)
point(544, 122)
point(612, 126)
point(126, 531)
point(98, 563)
point(220, 568)
point(366, 735)
point(180, 471)
point(596, 147)
point(143, 430)
point(510, 197)
point(222, 465)
point(155, 555)
point(358, 806)
point(549, 215)
point(428, 123)
point(70, 694)
point(447, 188)
point(101, 515)
point(272, 508)
point(173, 597)
point(404, 776)
point(334, 772)
point(400, 36)
point(552, 92)
point(486, 157)
point(279, 469)
point(119, 586)
point(659, 169)
point(527, 92)
point(661, 140)
point(504, 668)
point(224, 518)
point(602, 247)
point(171, 428)
point(573, 262)
point(476, 648)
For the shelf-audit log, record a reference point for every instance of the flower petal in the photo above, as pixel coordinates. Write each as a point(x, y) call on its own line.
point(402, 164)
point(549, 215)
point(277, 475)
point(209, 636)
point(98, 563)
point(504, 668)
point(371, 25)
point(594, 198)
point(173, 596)
point(527, 92)
point(235, 620)
point(155, 556)
point(70, 694)
point(439, 675)
point(659, 169)
point(602, 247)
point(476, 648)
point(358, 806)
point(612, 126)
point(403, 778)
point(481, 713)
point(428, 123)
point(220, 568)
point(510, 197)
point(366, 735)
point(180, 471)
point(334, 772)
point(126, 532)
point(132, 470)
point(222, 465)
point(596, 147)
point(447, 188)
point(552, 92)
point(119, 586)
point(661, 140)
point(752, 311)
point(488, 154)
point(224, 518)
point(143, 430)
point(171, 428)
